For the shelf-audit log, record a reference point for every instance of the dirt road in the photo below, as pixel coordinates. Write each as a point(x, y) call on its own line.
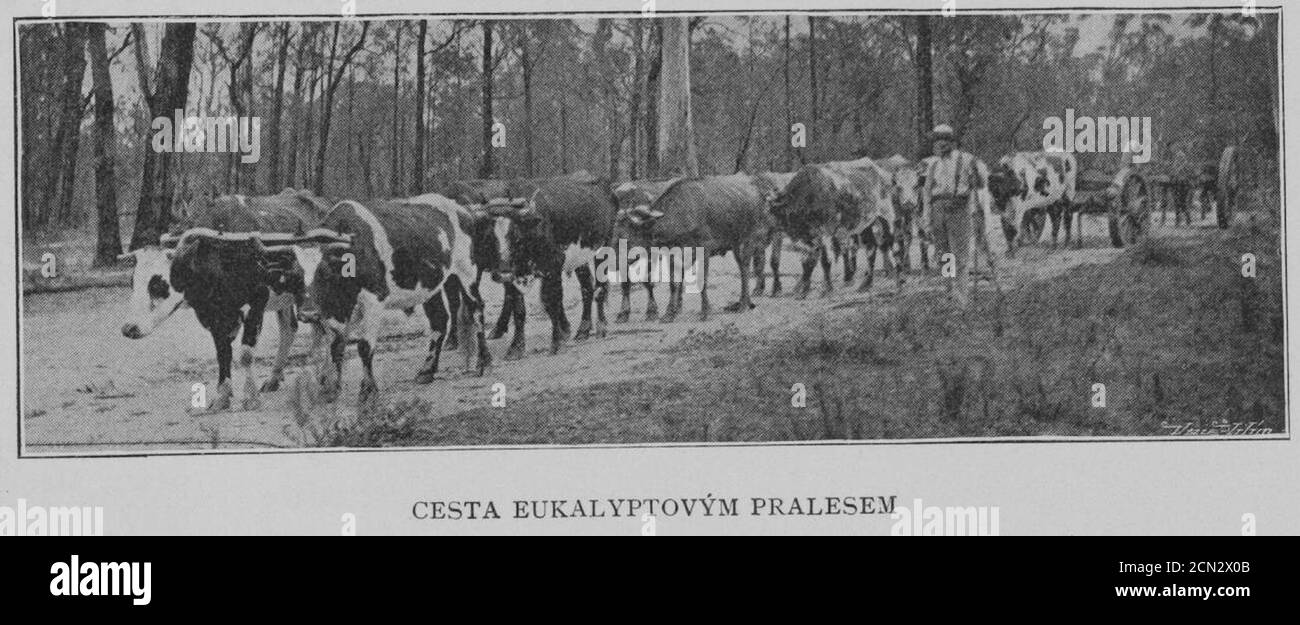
point(86, 388)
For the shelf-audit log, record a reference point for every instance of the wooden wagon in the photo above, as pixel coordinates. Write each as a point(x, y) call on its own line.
point(1124, 197)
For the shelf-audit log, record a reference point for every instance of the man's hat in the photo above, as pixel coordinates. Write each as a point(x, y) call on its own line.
point(942, 131)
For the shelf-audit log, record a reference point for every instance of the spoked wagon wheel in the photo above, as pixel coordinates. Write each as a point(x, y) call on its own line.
point(1129, 205)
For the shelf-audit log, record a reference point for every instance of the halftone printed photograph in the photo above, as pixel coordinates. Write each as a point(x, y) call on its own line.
point(639, 228)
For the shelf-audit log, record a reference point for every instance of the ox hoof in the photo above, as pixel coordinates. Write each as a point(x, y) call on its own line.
point(735, 307)
point(272, 384)
point(369, 390)
point(652, 314)
point(516, 352)
point(668, 317)
point(221, 402)
point(497, 333)
point(329, 393)
point(556, 346)
point(623, 316)
point(426, 377)
point(451, 344)
point(583, 333)
point(477, 370)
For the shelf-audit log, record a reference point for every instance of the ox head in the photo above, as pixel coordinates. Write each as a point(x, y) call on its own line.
point(636, 214)
point(515, 222)
point(319, 258)
point(198, 265)
point(792, 206)
point(906, 187)
point(778, 202)
point(153, 299)
point(1003, 185)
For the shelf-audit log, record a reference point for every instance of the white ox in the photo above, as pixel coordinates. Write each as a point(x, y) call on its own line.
point(1034, 185)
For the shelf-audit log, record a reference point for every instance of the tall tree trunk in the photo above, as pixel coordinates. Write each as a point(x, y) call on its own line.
point(813, 128)
point(394, 183)
point(965, 104)
point(291, 167)
point(486, 168)
point(309, 128)
point(924, 87)
point(526, 69)
point(328, 99)
point(41, 80)
point(248, 175)
point(677, 134)
point(170, 90)
point(67, 139)
point(638, 94)
point(364, 157)
point(564, 132)
point(613, 132)
point(417, 167)
point(1218, 128)
point(108, 241)
point(349, 180)
point(277, 107)
point(652, 99)
point(789, 105)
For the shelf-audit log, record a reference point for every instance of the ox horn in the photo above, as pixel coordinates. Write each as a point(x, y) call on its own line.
point(643, 213)
point(506, 207)
point(319, 236)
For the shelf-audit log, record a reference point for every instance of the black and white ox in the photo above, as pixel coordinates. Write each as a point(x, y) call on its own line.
point(827, 206)
point(489, 233)
point(474, 194)
point(905, 188)
point(390, 255)
point(1033, 185)
point(551, 228)
point(220, 266)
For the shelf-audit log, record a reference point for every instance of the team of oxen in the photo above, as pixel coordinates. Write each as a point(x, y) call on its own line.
point(340, 266)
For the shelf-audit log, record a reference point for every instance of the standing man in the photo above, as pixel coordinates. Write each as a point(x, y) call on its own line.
point(950, 179)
